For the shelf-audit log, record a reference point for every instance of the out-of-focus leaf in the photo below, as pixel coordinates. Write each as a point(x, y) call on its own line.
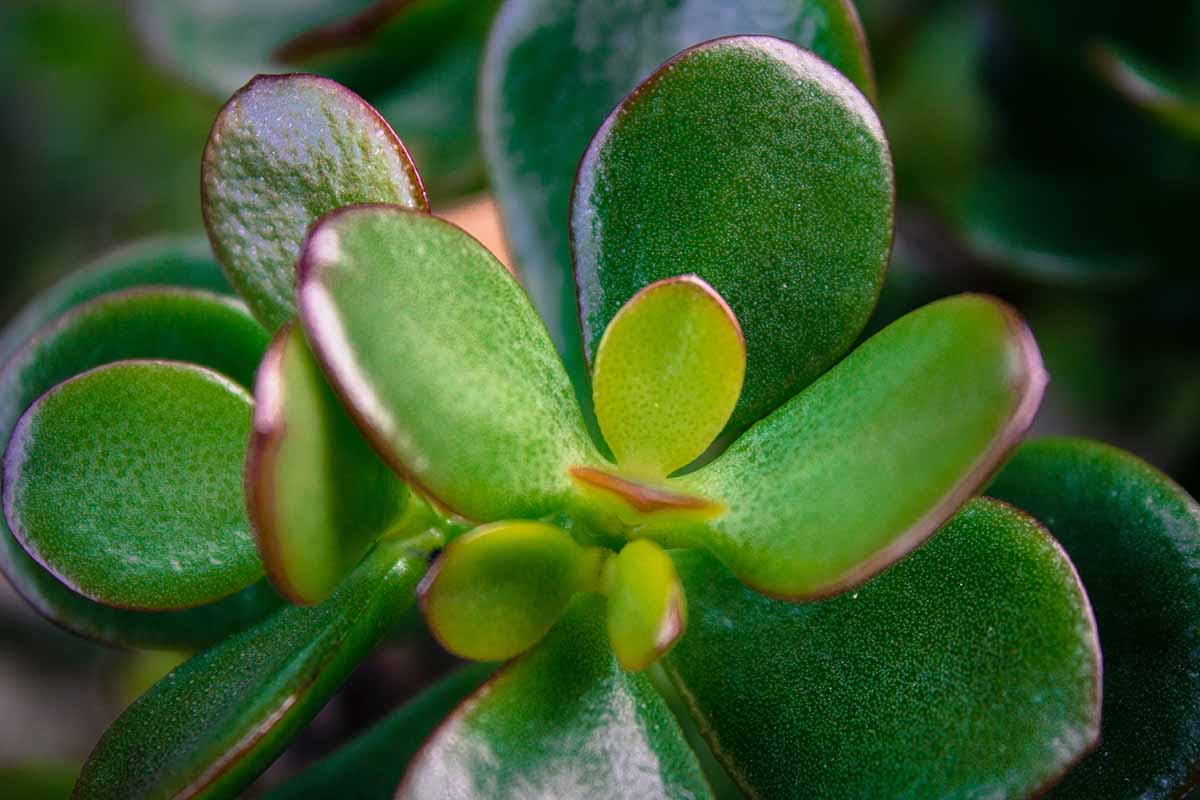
point(1167, 99)
point(38, 781)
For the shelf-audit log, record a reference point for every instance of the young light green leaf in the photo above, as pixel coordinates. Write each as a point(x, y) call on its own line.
point(496, 591)
point(1135, 537)
point(979, 648)
point(563, 720)
point(145, 510)
point(442, 360)
point(542, 97)
point(668, 373)
point(867, 462)
point(759, 167)
point(139, 323)
point(647, 609)
point(212, 725)
point(317, 494)
point(283, 151)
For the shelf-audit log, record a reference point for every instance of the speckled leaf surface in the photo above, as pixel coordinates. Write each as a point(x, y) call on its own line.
point(970, 669)
point(759, 167)
point(441, 357)
point(553, 70)
point(174, 324)
point(144, 511)
point(562, 721)
point(371, 766)
point(283, 151)
point(212, 725)
point(317, 494)
point(1135, 537)
point(867, 462)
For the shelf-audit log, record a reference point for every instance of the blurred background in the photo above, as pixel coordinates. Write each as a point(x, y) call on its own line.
point(1048, 153)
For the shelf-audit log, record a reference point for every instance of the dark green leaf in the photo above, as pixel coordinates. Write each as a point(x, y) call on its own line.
point(562, 721)
point(554, 69)
point(38, 781)
point(1166, 98)
point(283, 151)
point(211, 726)
point(755, 165)
point(125, 483)
point(1135, 537)
point(970, 669)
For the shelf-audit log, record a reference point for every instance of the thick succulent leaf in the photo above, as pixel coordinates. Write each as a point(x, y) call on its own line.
point(1135, 537)
point(125, 483)
point(440, 356)
point(317, 494)
point(283, 151)
point(1167, 99)
point(497, 590)
point(970, 669)
point(212, 725)
point(562, 721)
point(172, 324)
point(668, 373)
point(371, 766)
point(165, 261)
point(647, 609)
point(554, 68)
point(867, 462)
point(759, 167)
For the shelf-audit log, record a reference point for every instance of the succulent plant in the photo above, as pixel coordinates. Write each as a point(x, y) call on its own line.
point(723, 549)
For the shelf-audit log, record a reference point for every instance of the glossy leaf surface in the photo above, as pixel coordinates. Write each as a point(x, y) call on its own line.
point(562, 721)
point(317, 494)
point(554, 69)
point(867, 462)
point(496, 591)
point(647, 610)
point(142, 323)
point(283, 151)
point(212, 725)
point(979, 650)
point(757, 166)
point(1135, 537)
point(437, 351)
point(668, 373)
point(144, 511)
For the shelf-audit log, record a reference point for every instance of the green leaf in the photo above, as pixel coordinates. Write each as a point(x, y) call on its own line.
point(212, 725)
point(866, 463)
point(125, 483)
point(1135, 537)
point(970, 669)
point(757, 166)
point(554, 69)
point(283, 151)
point(443, 361)
point(317, 494)
point(668, 373)
point(496, 591)
point(140, 323)
point(1165, 98)
point(370, 766)
point(562, 721)
point(647, 609)
point(38, 781)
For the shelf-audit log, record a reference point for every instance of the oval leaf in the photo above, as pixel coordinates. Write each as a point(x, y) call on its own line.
point(564, 720)
point(497, 590)
point(647, 609)
point(1135, 537)
point(542, 97)
point(140, 323)
point(872, 458)
point(443, 361)
point(759, 167)
point(317, 494)
point(283, 151)
point(668, 374)
point(980, 647)
point(230, 711)
point(124, 482)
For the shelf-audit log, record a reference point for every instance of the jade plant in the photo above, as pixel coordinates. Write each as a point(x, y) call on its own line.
point(723, 549)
